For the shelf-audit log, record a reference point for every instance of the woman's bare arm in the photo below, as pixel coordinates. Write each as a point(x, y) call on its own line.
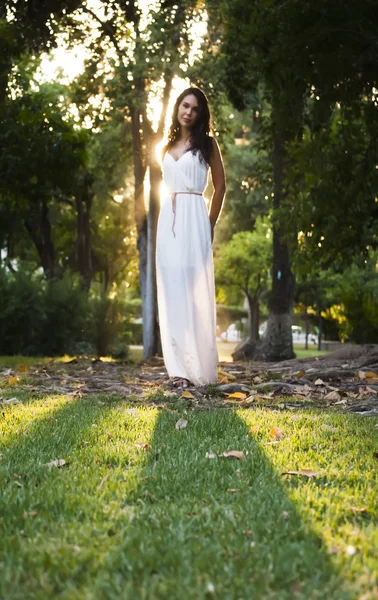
point(219, 183)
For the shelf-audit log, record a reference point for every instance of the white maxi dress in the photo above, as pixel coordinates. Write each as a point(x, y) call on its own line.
point(185, 272)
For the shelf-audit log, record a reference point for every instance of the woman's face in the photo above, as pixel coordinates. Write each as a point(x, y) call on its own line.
point(187, 112)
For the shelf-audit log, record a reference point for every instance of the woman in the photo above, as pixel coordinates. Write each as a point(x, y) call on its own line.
point(184, 260)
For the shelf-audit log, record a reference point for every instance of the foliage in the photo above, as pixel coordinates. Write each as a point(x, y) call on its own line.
point(58, 317)
point(245, 260)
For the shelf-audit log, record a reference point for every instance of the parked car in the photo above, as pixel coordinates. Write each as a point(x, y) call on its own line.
point(232, 334)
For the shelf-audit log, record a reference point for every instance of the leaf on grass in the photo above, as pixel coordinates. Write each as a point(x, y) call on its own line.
point(31, 513)
point(254, 429)
point(306, 472)
point(210, 455)
point(329, 427)
point(181, 424)
point(57, 463)
point(234, 454)
point(102, 481)
point(238, 395)
point(233, 490)
point(143, 445)
point(319, 382)
point(359, 509)
point(272, 443)
point(350, 550)
point(23, 368)
point(13, 380)
point(11, 401)
point(248, 532)
point(187, 395)
point(275, 432)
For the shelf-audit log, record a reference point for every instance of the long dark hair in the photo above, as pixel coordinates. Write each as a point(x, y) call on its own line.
point(199, 133)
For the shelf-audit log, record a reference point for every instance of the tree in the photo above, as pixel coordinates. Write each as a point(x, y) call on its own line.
point(244, 262)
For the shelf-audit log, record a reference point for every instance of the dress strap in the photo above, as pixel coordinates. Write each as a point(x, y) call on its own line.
point(174, 194)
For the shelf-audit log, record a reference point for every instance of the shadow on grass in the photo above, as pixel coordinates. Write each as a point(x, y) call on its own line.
point(166, 523)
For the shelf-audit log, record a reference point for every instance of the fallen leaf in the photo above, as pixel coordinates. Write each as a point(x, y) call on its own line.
point(233, 490)
point(239, 395)
point(181, 424)
point(332, 396)
point(131, 411)
point(329, 427)
point(254, 429)
point(299, 374)
point(23, 368)
point(57, 463)
point(13, 380)
point(285, 514)
point(210, 455)
point(350, 550)
point(358, 509)
point(306, 472)
point(103, 481)
point(31, 513)
point(272, 443)
point(319, 382)
point(11, 401)
point(368, 375)
point(143, 445)
point(234, 454)
point(248, 532)
point(333, 549)
point(275, 432)
point(187, 394)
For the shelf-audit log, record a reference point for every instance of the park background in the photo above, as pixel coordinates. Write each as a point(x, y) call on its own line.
point(87, 91)
point(115, 485)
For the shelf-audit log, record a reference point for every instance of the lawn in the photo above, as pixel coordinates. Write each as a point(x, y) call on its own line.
point(140, 511)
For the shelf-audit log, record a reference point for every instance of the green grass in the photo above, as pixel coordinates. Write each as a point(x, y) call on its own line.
point(169, 523)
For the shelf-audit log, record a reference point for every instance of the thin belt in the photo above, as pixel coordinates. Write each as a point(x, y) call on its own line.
point(174, 194)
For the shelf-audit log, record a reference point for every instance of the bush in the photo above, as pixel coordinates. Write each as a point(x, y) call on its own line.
point(52, 318)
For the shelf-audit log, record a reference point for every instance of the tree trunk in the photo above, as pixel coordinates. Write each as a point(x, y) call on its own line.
point(151, 326)
point(278, 342)
point(307, 328)
point(39, 228)
point(253, 317)
point(84, 239)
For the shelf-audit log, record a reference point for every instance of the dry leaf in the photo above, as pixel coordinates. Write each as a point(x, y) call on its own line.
point(254, 429)
point(306, 472)
point(210, 455)
point(143, 445)
point(332, 396)
point(234, 454)
point(11, 401)
point(181, 424)
point(319, 382)
point(187, 394)
point(31, 513)
point(248, 532)
point(275, 432)
point(357, 509)
point(329, 427)
point(23, 368)
point(233, 490)
point(272, 443)
point(299, 374)
point(13, 380)
point(102, 481)
point(369, 375)
point(57, 463)
point(239, 395)
point(350, 550)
